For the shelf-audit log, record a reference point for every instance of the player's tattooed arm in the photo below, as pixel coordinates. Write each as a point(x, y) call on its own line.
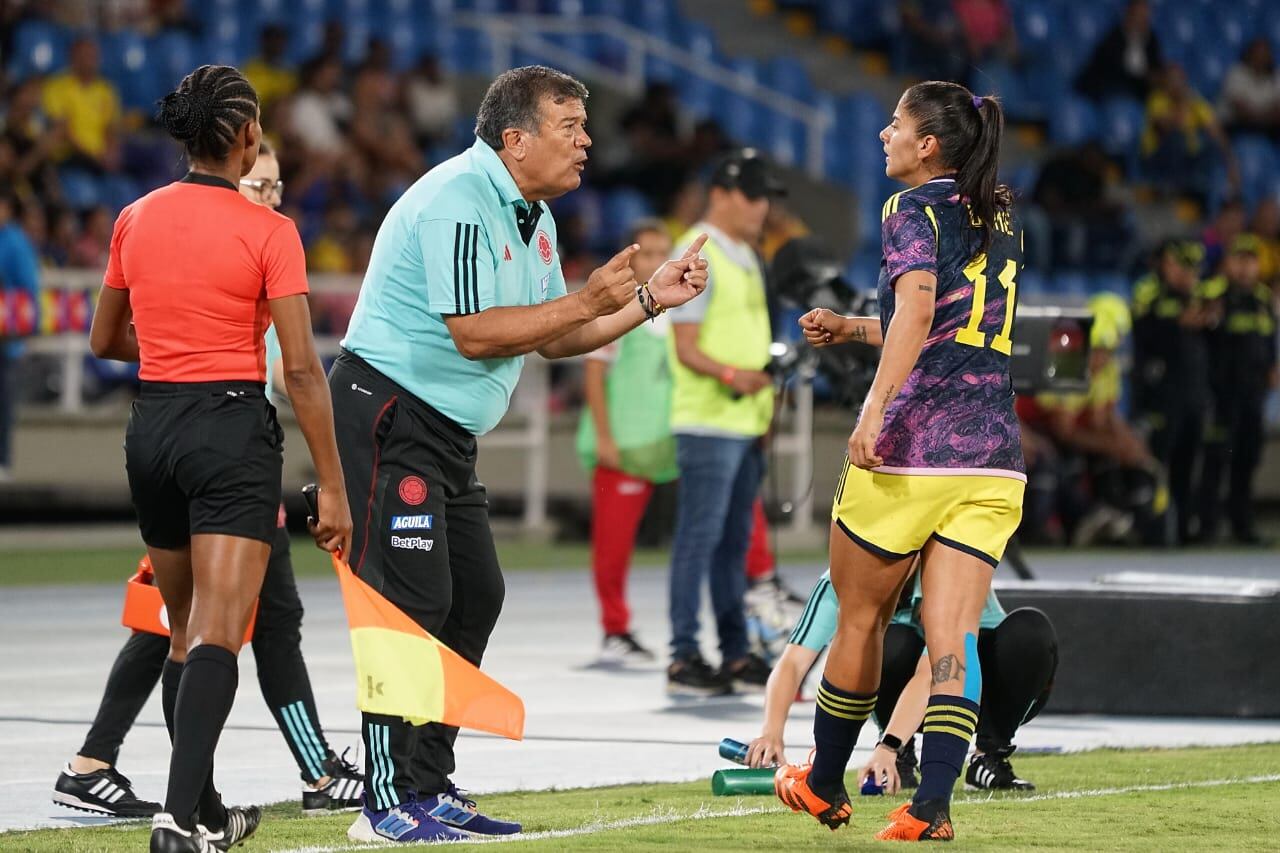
point(948, 669)
point(888, 398)
point(823, 327)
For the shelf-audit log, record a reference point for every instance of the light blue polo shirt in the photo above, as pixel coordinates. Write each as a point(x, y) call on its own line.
point(817, 624)
point(451, 245)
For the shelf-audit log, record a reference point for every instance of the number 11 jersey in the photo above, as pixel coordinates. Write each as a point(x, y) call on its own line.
point(955, 413)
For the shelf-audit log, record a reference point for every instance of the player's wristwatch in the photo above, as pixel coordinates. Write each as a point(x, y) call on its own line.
point(890, 742)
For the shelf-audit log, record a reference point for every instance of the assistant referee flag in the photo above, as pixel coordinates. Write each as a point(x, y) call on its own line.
point(403, 671)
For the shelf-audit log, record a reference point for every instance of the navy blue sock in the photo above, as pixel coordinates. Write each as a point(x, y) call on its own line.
point(836, 724)
point(949, 722)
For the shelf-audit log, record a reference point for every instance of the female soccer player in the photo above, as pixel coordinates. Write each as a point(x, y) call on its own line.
point(200, 270)
point(935, 463)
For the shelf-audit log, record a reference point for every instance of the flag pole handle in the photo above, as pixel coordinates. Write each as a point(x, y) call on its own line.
point(311, 494)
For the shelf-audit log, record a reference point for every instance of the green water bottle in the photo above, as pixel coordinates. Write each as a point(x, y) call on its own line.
point(734, 782)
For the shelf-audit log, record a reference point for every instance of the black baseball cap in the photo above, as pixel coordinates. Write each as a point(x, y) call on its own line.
point(746, 169)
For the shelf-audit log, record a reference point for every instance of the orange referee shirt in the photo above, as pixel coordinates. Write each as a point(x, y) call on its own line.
point(200, 262)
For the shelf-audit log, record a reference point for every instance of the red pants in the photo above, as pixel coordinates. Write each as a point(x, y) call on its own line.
point(618, 504)
point(759, 557)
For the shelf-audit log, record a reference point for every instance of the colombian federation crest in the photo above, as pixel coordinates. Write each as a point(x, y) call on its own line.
point(413, 490)
point(544, 247)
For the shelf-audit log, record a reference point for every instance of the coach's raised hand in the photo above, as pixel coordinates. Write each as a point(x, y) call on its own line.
point(613, 285)
point(679, 280)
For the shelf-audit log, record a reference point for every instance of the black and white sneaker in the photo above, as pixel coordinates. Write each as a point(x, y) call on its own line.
point(693, 676)
point(748, 673)
point(105, 792)
point(242, 821)
point(341, 793)
point(168, 837)
point(622, 649)
point(993, 772)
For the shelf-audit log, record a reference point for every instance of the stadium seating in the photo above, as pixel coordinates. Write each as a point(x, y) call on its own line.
point(1121, 125)
point(1055, 39)
point(621, 207)
point(39, 47)
point(1257, 159)
point(1073, 121)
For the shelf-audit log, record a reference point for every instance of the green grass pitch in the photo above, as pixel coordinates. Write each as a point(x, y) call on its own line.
point(1185, 799)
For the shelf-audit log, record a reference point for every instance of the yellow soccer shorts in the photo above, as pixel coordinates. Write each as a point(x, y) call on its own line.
point(894, 515)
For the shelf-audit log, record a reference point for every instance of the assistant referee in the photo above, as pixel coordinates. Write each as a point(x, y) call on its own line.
point(463, 281)
point(201, 270)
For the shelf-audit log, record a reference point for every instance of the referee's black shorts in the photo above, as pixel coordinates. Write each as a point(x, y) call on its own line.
point(204, 457)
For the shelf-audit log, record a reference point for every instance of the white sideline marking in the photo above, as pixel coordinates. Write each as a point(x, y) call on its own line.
point(663, 816)
point(669, 816)
point(971, 799)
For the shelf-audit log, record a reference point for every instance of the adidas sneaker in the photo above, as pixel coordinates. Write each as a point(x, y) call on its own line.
point(105, 792)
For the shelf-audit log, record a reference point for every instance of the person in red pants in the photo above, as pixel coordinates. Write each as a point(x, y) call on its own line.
point(625, 440)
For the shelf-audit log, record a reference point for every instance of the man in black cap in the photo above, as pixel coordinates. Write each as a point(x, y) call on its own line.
point(1242, 370)
point(721, 407)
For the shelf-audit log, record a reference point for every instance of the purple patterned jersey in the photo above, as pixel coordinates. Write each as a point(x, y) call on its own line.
point(956, 409)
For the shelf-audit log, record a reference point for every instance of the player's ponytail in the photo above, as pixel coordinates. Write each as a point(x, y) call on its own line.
point(968, 129)
point(207, 110)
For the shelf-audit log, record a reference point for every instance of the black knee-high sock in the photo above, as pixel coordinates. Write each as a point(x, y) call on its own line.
point(205, 695)
point(211, 812)
point(170, 678)
point(836, 724)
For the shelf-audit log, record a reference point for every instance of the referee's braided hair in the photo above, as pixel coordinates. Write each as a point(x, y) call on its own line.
point(514, 98)
point(208, 109)
point(968, 129)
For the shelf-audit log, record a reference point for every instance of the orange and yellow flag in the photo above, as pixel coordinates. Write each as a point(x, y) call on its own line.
point(403, 671)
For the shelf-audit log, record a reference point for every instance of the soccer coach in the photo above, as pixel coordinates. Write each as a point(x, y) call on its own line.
point(463, 281)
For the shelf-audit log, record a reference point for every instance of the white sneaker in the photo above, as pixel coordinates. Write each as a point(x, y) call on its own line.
point(622, 649)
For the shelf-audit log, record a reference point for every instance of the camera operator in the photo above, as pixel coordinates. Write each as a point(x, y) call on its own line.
point(721, 407)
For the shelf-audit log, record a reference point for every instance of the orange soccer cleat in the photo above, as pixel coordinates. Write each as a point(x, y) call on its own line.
point(904, 826)
point(791, 784)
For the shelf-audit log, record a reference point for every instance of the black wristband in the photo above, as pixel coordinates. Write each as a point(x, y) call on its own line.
point(894, 743)
point(642, 296)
